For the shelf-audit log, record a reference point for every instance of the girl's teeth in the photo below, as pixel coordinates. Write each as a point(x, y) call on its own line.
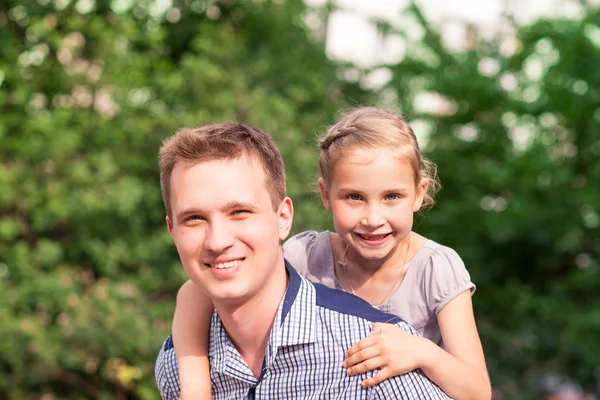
point(374, 237)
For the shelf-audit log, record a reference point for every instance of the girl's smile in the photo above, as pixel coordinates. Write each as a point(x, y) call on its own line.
point(372, 196)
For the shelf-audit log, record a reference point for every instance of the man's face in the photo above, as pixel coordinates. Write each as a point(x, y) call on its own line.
point(226, 231)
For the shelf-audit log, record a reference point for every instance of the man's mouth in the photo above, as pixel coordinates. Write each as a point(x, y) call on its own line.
point(226, 264)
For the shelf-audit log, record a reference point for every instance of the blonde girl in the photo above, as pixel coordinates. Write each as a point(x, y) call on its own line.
point(373, 179)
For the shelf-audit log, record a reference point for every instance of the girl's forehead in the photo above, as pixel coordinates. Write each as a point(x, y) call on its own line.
point(372, 169)
point(363, 157)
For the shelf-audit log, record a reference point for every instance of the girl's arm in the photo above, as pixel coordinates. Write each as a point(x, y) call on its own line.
point(459, 370)
point(191, 326)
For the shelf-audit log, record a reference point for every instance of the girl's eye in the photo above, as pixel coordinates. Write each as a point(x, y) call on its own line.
point(392, 196)
point(353, 197)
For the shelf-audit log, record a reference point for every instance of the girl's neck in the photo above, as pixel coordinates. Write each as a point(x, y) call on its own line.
point(375, 282)
point(396, 259)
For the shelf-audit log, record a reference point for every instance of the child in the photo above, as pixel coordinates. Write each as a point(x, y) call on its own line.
point(373, 179)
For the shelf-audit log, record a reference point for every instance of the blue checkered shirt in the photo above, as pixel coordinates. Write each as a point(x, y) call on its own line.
point(314, 327)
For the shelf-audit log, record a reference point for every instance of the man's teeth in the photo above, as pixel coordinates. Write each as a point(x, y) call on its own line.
point(227, 264)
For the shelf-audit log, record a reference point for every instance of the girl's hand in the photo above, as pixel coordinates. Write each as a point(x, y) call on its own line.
point(387, 347)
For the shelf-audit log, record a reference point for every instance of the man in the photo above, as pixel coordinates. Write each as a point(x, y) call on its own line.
point(274, 335)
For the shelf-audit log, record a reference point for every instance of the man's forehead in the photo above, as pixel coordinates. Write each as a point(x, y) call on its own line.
point(241, 161)
point(241, 177)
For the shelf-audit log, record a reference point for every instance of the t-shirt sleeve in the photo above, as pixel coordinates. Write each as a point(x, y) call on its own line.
point(297, 250)
point(445, 278)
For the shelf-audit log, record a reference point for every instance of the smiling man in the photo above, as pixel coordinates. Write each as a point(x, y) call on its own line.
point(273, 335)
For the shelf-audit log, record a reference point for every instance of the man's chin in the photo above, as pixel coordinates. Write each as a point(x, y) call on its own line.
point(230, 297)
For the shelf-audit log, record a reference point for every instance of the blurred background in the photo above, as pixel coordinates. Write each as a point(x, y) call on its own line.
point(503, 95)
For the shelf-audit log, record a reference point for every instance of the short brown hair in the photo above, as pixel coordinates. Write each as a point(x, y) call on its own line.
point(370, 128)
point(221, 141)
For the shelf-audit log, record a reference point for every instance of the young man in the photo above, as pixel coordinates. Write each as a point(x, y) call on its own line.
point(274, 335)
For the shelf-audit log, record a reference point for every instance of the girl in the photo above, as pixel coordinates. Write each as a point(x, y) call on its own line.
point(373, 179)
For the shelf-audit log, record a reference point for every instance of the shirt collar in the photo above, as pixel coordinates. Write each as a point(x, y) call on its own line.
point(294, 324)
point(298, 311)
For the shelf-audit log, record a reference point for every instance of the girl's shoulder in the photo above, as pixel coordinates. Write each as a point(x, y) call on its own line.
point(307, 250)
point(442, 274)
point(439, 254)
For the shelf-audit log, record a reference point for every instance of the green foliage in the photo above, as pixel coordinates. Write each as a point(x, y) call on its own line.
point(88, 272)
point(516, 143)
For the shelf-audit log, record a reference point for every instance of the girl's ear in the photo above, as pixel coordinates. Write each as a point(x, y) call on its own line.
point(324, 194)
point(420, 194)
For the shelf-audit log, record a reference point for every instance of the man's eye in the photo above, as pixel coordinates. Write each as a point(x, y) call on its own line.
point(194, 218)
point(240, 212)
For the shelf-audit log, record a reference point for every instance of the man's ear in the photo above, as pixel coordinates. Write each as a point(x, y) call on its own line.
point(169, 225)
point(324, 194)
point(420, 194)
point(286, 216)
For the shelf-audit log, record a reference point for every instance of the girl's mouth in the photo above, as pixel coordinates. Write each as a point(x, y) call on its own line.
point(373, 239)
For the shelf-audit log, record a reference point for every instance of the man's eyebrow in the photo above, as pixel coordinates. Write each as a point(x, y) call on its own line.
point(186, 213)
point(238, 205)
point(234, 205)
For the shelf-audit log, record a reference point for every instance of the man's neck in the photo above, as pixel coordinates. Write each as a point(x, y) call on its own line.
point(249, 325)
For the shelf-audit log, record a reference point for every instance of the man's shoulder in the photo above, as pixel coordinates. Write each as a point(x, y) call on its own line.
point(413, 385)
point(166, 371)
point(168, 344)
point(338, 301)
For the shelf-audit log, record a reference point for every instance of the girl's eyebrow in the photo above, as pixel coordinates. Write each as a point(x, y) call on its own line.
point(348, 190)
point(398, 189)
point(352, 190)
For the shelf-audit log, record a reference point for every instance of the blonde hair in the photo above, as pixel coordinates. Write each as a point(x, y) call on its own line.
point(221, 141)
point(370, 128)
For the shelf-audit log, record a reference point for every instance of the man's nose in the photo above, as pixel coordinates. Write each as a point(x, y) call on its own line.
point(219, 237)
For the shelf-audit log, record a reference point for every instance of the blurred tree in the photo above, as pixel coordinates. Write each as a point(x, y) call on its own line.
point(516, 139)
point(88, 90)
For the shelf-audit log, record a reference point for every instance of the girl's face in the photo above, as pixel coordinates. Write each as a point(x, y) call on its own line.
point(372, 197)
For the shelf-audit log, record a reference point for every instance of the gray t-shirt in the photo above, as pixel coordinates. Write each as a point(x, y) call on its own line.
point(435, 275)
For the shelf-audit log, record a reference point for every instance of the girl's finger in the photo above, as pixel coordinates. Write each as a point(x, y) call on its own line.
point(377, 328)
point(368, 364)
point(365, 354)
point(367, 342)
point(377, 378)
